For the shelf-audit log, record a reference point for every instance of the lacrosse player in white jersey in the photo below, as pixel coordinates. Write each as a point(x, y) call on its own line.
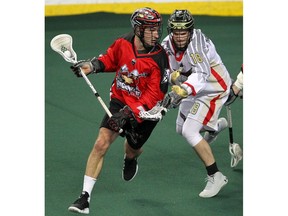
point(200, 87)
point(235, 91)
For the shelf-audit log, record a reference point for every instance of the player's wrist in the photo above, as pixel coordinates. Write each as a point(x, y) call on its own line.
point(97, 65)
point(187, 88)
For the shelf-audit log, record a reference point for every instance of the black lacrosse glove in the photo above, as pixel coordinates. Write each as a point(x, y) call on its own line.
point(79, 64)
point(91, 66)
point(118, 120)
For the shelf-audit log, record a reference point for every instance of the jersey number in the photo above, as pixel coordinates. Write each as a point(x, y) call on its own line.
point(196, 58)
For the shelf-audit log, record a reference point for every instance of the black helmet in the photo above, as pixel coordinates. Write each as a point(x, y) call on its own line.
point(181, 20)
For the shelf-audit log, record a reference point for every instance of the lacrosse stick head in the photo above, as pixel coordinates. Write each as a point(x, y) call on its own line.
point(154, 114)
point(62, 44)
point(236, 154)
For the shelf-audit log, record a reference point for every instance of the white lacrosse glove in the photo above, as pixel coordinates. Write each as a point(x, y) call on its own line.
point(236, 154)
point(154, 114)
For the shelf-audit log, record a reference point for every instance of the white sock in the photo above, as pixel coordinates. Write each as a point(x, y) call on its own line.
point(88, 184)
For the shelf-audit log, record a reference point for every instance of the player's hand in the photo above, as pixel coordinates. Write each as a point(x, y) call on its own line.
point(86, 66)
point(177, 78)
point(174, 77)
point(173, 98)
point(118, 120)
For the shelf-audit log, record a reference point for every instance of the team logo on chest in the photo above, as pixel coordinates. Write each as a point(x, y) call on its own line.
point(128, 81)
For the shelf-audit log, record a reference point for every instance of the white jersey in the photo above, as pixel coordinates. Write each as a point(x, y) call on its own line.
point(208, 81)
point(209, 75)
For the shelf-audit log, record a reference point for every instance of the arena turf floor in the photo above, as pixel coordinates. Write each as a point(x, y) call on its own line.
point(170, 174)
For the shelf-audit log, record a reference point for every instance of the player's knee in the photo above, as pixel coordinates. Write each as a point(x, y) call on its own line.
point(192, 137)
point(101, 146)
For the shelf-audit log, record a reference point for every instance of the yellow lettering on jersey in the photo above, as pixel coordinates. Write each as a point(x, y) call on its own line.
point(196, 58)
point(195, 108)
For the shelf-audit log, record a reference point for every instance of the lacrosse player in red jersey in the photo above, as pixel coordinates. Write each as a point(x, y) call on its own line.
point(141, 80)
point(200, 85)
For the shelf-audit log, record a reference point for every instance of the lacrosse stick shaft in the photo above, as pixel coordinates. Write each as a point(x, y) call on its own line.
point(93, 89)
point(229, 118)
point(96, 94)
point(62, 44)
point(234, 148)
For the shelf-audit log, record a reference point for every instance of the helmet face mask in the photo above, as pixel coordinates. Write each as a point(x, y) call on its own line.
point(180, 22)
point(147, 25)
point(181, 39)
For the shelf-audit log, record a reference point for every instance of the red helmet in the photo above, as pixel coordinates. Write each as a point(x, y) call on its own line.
point(145, 17)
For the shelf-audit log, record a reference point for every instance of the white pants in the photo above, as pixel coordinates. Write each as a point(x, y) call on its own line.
point(197, 114)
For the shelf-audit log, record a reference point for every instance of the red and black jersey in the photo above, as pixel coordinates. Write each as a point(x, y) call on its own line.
point(141, 80)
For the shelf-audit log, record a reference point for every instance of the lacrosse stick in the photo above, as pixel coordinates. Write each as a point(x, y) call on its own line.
point(234, 148)
point(157, 112)
point(161, 108)
point(154, 114)
point(62, 44)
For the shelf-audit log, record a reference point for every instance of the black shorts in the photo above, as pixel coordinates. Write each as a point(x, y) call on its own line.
point(136, 135)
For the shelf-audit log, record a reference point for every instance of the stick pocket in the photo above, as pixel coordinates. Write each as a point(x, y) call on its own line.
point(62, 44)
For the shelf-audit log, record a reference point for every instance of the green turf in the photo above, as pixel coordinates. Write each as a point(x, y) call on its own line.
point(170, 174)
